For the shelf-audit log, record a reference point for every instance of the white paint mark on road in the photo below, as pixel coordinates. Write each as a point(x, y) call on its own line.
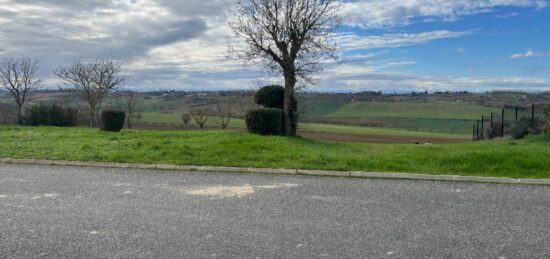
point(234, 191)
point(277, 186)
point(29, 196)
point(127, 192)
point(390, 253)
point(223, 191)
point(93, 233)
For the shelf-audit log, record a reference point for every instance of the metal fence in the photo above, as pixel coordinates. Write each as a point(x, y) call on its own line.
point(500, 124)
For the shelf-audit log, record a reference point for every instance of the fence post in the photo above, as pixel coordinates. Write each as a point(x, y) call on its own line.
point(482, 127)
point(517, 109)
point(477, 130)
point(492, 127)
point(474, 133)
point(533, 116)
point(502, 124)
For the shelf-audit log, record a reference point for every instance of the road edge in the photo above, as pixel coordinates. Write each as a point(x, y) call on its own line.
point(349, 174)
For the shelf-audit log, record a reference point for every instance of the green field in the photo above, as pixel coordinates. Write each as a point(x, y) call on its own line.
point(529, 158)
point(213, 122)
point(435, 110)
point(172, 118)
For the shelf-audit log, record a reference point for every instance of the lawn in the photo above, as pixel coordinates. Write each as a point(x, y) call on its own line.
point(375, 131)
point(529, 158)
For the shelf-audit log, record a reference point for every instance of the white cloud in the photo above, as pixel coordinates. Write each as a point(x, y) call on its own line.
point(391, 13)
point(355, 42)
point(176, 44)
point(530, 54)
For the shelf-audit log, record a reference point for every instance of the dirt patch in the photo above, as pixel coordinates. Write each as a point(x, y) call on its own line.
point(328, 136)
point(363, 138)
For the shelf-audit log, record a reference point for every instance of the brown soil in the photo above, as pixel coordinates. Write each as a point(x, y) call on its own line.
point(328, 136)
point(363, 138)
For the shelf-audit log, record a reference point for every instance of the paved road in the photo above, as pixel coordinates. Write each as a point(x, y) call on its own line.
point(55, 212)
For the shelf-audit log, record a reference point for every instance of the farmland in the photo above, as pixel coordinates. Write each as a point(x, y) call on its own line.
point(228, 148)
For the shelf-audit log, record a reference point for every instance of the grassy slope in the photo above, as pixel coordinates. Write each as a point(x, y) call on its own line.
point(413, 110)
point(375, 131)
point(239, 124)
point(172, 118)
point(527, 158)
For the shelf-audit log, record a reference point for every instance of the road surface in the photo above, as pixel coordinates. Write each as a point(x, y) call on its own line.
point(55, 212)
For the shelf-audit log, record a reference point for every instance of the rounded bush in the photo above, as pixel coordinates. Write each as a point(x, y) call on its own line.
point(266, 121)
point(271, 96)
point(112, 120)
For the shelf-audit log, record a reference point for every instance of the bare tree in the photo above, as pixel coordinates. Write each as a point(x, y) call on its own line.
point(243, 105)
point(130, 103)
point(92, 82)
point(224, 112)
point(292, 38)
point(186, 118)
point(19, 76)
point(200, 116)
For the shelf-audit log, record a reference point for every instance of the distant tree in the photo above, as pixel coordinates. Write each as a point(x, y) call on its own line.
point(130, 103)
point(186, 118)
point(19, 76)
point(92, 82)
point(243, 105)
point(224, 112)
point(292, 38)
point(200, 116)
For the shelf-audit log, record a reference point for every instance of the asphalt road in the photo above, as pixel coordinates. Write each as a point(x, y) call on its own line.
point(60, 212)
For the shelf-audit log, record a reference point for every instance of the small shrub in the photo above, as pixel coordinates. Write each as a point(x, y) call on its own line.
point(112, 120)
point(186, 118)
point(523, 128)
point(271, 96)
point(51, 115)
point(266, 121)
point(200, 116)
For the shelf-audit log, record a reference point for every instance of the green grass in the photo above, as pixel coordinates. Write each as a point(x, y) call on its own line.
point(172, 118)
point(213, 122)
point(375, 131)
point(436, 110)
point(528, 158)
point(321, 108)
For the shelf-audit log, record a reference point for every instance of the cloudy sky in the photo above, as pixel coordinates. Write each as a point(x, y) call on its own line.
point(387, 45)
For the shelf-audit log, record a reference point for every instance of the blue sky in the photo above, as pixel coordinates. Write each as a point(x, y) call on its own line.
point(387, 45)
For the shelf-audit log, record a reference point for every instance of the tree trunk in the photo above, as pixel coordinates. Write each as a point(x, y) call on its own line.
point(92, 117)
point(19, 113)
point(290, 82)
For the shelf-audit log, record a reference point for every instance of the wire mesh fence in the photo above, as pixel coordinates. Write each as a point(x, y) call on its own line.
point(504, 123)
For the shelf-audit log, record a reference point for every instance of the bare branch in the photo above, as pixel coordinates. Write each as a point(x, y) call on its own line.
point(19, 76)
point(92, 81)
point(200, 116)
point(291, 38)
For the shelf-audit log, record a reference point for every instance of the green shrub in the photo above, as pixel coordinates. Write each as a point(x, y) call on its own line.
point(523, 128)
point(265, 121)
point(271, 96)
point(51, 115)
point(112, 120)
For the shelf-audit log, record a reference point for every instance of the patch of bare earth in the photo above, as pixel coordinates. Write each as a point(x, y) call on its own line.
point(327, 136)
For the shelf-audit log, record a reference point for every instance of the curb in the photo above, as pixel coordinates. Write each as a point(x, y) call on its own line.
point(218, 169)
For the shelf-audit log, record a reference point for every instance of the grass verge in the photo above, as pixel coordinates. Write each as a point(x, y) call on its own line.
point(529, 158)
